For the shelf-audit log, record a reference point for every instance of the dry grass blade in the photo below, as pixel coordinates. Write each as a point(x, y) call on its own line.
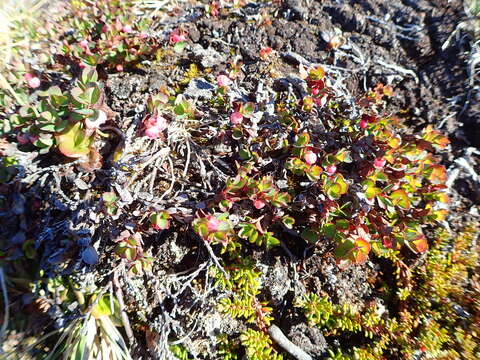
point(14, 15)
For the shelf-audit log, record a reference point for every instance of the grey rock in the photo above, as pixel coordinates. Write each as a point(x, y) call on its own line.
point(277, 282)
point(122, 85)
point(156, 82)
point(207, 57)
point(297, 84)
point(294, 10)
point(309, 339)
point(282, 184)
point(199, 88)
point(295, 59)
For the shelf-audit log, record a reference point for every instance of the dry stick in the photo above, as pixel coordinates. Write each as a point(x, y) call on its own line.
point(399, 69)
point(187, 163)
point(172, 182)
point(286, 344)
point(215, 259)
point(119, 295)
point(152, 159)
point(5, 301)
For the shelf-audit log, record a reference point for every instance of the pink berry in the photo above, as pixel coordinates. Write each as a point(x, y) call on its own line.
point(176, 37)
point(153, 132)
point(236, 118)
point(363, 124)
point(154, 126)
point(33, 82)
point(331, 169)
point(81, 65)
point(157, 121)
point(143, 35)
point(119, 67)
point(83, 44)
point(310, 157)
point(379, 163)
point(259, 203)
point(104, 28)
point(27, 76)
point(127, 29)
point(223, 80)
point(212, 223)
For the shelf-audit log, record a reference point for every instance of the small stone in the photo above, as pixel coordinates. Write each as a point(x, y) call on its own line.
point(199, 88)
point(294, 10)
point(208, 57)
point(309, 339)
point(277, 282)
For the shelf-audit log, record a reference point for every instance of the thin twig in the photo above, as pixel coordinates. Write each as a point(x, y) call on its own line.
point(286, 344)
point(172, 182)
point(215, 259)
point(6, 304)
point(187, 163)
point(125, 321)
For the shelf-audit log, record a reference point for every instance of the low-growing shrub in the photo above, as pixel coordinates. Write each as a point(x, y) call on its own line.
point(360, 182)
point(438, 316)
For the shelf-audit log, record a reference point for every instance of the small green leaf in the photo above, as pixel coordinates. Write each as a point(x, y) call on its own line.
point(288, 221)
point(77, 94)
point(310, 235)
point(253, 237)
point(109, 197)
point(92, 94)
point(102, 308)
point(271, 241)
point(160, 221)
point(245, 154)
point(89, 75)
point(314, 172)
point(334, 191)
point(179, 109)
point(179, 46)
point(302, 140)
point(344, 156)
point(247, 109)
point(246, 230)
point(329, 230)
point(296, 166)
point(399, 197)
point(342, 224)
point(73, 142)
point(85, 112)
point(281, 199)
point(202, 230)
point(44, 141)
